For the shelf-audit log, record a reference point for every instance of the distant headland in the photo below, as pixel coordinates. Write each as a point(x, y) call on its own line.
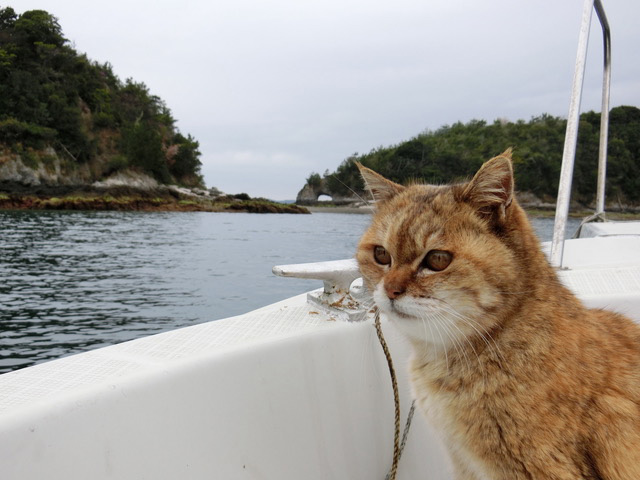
point(452, 152)
point(74, 136)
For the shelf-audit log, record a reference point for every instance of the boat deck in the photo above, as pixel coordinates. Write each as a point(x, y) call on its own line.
point(604, 271)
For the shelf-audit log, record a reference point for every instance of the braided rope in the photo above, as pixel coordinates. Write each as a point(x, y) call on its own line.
point(398, 446)
point(405, 434)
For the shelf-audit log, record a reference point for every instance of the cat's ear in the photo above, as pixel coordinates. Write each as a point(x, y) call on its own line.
point(491, 189)
point(381, 188)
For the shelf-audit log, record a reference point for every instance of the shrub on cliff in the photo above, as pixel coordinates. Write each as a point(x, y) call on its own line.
point(52, 96)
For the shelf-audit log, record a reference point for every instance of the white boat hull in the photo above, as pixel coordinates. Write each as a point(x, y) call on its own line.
point(283, 392)
point(303, 401)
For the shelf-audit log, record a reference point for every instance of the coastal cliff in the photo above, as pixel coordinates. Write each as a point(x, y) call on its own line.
point(73, 135)
point(312, 191)
point(46, 181)
point(67, 121)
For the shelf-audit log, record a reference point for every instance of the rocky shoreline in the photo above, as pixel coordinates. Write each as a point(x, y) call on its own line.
point(48, 183)
point(126, 198)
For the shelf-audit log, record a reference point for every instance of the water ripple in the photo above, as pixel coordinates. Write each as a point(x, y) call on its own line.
point(73, 281)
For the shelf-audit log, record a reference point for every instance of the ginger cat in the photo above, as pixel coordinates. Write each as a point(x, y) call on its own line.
point(521, 380)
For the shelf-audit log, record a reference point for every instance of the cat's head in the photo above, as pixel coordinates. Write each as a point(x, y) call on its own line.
point(439, 259)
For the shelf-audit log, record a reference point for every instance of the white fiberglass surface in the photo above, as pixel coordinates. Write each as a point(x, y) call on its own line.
point(314, 404)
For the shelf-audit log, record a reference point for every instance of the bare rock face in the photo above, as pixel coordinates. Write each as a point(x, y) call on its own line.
point(51, 175)
point(310, 193)
point(18, 170)
point(15, 171)
point(128, 178)
point(45, 172)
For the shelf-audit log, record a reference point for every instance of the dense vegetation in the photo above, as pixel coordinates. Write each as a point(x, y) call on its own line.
point(51, 96)
point(456, 151)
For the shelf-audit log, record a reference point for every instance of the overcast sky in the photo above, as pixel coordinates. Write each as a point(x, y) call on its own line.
point(276, 89)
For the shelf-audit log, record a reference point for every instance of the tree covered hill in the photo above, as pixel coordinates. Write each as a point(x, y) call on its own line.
point(55, 102)
point(454, 152)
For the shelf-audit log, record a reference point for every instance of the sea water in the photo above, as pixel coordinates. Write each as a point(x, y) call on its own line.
point(74, 281)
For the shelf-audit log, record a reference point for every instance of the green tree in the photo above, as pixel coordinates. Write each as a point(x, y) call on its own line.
point(52, 96)
point(143, 147)
point(314, 180)
point(37, 27)
point(186, 163)
point(453, 152)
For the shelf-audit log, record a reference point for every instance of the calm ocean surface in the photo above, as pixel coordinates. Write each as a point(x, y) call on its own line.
point(74, 281)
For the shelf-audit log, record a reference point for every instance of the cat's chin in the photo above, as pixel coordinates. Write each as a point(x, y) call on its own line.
point(420, 330)
point(418, 322)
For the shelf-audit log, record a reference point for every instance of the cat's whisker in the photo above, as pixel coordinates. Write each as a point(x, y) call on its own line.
point(448, 325)
point(479, 329)
point(487, 338)
point(488, 341)
point(473, 348)
point(443, 321)
point(504, 292)
point(428, 339)
point(471, 345)
point(426, 321)
point(446, 355)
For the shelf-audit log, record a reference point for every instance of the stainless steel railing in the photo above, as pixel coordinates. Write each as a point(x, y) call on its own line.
point(573, 118)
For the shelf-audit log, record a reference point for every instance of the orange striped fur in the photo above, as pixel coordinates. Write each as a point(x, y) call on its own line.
point(521, 380)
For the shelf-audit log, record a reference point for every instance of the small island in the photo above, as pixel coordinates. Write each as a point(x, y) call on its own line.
point(75, 136)
point(452, 151)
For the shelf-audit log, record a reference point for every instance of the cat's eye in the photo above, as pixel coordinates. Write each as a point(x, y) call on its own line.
point(381, 255)
point(437, 260)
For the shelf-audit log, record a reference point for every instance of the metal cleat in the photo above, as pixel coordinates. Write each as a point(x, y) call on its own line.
point(342, 296)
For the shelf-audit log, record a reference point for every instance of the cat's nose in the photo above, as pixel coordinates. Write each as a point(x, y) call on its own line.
point(396, 281)
point(393, 290)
